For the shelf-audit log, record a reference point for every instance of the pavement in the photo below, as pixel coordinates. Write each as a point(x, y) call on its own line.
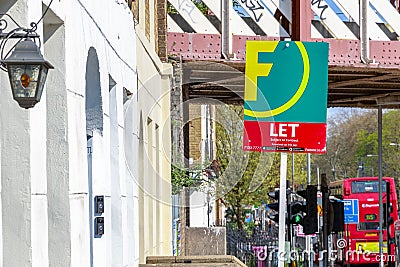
point(193, 261)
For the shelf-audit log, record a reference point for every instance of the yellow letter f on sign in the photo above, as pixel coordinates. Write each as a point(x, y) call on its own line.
point(255, 69)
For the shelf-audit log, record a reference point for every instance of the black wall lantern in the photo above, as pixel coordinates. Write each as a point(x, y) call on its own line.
point(26, 67)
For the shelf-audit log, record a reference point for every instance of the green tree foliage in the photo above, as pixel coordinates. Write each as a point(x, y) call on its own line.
point(240, 180)
point(199, 4)
point(171, 9)
point(391, 144)
point(343, 151)
point(353, 142)
point(299, 177)
point(180, 178)
point(367, 146)
point(196, 177)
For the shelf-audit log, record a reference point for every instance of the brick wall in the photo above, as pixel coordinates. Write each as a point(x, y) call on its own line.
point(177, 115)
point(147, 18)
point(135, 10)
point(195, 132)
point(160, 22)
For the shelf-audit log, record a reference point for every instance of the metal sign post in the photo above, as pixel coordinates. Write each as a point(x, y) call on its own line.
point(308, 237)
point(325, 210)
point(380, 186)
point(282, 210)
point(285, 115)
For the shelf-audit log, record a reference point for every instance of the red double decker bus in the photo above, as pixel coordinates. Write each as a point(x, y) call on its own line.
point(360, 240)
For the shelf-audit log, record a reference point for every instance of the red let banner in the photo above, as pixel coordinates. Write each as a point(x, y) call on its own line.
point(284, 137)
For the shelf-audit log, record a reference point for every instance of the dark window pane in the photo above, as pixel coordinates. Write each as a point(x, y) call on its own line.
point(363, 226)
point(367, 187)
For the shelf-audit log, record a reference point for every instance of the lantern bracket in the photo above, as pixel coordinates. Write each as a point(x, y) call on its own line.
point(19, 32)
point(26, 67)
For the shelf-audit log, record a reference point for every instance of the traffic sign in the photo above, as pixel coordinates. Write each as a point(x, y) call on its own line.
point(286, 87)
point(351, 214)
point(319, 208)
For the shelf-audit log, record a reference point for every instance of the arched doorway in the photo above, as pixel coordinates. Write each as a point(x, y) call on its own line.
point(94, 125)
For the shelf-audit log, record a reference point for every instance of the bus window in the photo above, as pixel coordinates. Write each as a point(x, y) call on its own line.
point(363, 226)
point(366, 187)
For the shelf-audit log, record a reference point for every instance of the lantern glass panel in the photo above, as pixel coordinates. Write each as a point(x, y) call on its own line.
point(24, 79)
point(43, 75)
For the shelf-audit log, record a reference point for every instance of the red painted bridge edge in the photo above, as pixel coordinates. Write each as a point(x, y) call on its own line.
point(195, 46)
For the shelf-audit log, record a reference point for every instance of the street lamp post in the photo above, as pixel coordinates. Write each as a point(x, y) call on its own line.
point(360, 170)
point(26, 67)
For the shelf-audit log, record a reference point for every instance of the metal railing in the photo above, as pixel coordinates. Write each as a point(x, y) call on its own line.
point(243, 245)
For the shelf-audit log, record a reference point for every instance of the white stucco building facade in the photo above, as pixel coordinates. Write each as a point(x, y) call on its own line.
point(89, 136)
point(154, 163)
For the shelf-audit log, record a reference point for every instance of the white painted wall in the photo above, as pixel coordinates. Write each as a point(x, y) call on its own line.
point(19, 154)
point(198, 209)
point(154, 169)
point(154, 163)
point(202, 206)
point(48, 180)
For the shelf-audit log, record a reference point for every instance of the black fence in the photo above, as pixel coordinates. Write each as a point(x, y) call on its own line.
point(247, 246)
